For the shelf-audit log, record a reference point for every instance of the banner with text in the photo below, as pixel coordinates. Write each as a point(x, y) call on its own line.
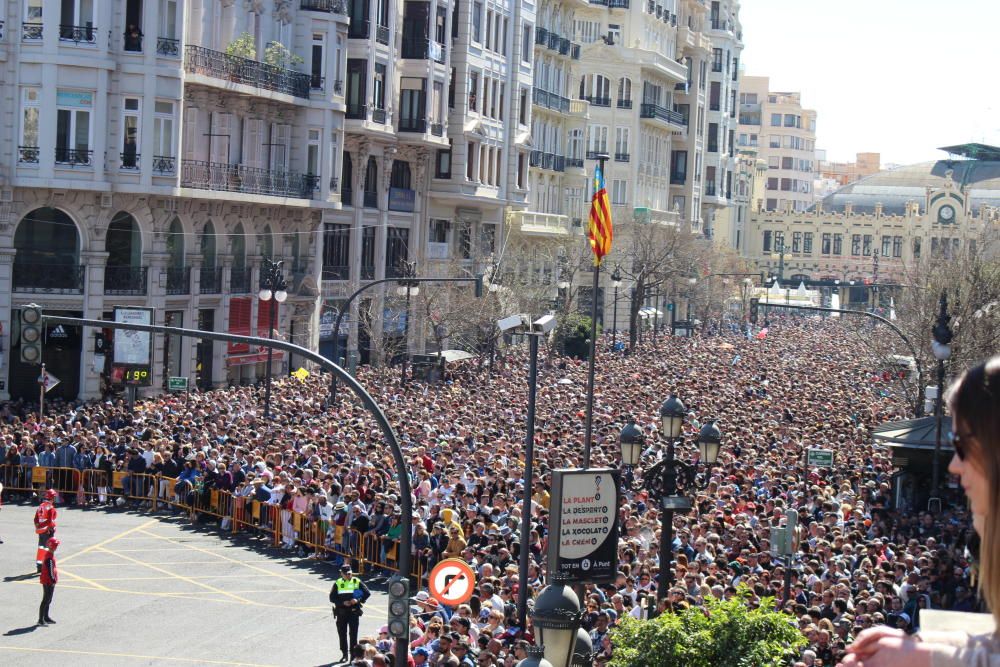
point(583, 540)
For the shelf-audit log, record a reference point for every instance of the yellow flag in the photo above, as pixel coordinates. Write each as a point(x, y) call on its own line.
point(301, 374)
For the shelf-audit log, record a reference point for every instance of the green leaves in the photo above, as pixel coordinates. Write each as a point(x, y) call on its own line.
point(727, 632)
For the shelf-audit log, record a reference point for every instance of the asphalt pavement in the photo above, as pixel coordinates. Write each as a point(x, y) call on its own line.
point(144, 589)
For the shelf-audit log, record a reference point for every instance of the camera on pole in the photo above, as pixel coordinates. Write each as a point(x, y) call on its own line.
point(399, 608)
point(31, 334)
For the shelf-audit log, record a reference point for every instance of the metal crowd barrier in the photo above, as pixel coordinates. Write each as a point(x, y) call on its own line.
point(235, 513)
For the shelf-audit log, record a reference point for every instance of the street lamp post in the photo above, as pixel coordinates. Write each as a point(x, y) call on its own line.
point(408, 288)
point(941, 347)
point(556, 620)
point(616, 282)
point(669, 477)
point(272, 286)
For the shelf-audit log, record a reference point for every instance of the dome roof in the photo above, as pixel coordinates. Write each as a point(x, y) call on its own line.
point(895, 187)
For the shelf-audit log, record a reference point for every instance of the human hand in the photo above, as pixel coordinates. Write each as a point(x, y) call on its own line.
point(886, 647)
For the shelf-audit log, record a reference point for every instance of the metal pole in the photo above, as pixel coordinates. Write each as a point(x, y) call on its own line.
point(529, 459)
point(406, 338)
point(788, 577)
point(614, 327)
point(41, 395)
point(667, 523)
point(656, 315)
point(405, 490)
point(939, 416)
point(589, 420)
point(270, 351)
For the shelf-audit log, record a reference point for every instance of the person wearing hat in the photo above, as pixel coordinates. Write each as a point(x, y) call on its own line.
point(348, 595)
point(49, 577)
point(45, 525)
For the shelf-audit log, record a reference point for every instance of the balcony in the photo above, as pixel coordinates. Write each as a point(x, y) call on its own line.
point(163, 164)
point(316, 82)
point(178, 280)
point(210, 280)
point(656, 112)
point(74, 157)
point(48, 278)
point(574, 163)
point(547, 160)
point(678, 177)
point(125, 280)
point(543, 224)
point(382, 34)
point(579, 108)
point(202, 175)
point(535, 159)
point(559, 163)
point(129, 160)
point(170, 48)
point(199, 60)
point(564, 45)
point(27, 154)
point(31, 32)
point(553, 42)
point(618, 4)
point(541, 36)
point(331, 6)
point(423, 49)
point(624, 104)
point(549, 100)
point(1, 30)
point(78, 34)
point(240, 279)
point(622, 157)
point(595, 155)
point(597, 101)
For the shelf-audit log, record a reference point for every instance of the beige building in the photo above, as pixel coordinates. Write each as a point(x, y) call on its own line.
point(749, 179)
point(843, 173)
point(881, 224)
point(784, 133)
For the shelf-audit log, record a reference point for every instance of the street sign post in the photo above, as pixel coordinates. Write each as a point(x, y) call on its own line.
point(819, 458)
point(177, 384)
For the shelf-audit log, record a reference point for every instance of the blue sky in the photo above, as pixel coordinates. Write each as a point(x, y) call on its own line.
point(897, 77)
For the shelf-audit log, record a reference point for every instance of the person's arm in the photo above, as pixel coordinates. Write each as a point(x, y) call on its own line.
point(365, 593)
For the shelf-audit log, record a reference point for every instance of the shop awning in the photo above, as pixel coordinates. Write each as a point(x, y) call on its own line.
point(914, 433)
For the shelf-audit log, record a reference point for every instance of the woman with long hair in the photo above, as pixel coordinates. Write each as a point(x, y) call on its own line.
point(974, 403)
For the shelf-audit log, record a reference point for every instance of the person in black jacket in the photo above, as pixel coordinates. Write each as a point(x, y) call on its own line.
point(348, 595)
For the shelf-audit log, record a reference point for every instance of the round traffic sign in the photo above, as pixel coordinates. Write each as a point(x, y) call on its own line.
point(452, 582)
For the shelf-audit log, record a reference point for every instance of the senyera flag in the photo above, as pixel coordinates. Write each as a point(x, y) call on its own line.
point(599, 230)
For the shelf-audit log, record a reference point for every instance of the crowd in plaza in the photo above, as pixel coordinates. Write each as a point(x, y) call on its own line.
point(861, 563)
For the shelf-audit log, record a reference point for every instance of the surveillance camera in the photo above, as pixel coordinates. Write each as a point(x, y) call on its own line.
point(510, 322)
point(544, 324)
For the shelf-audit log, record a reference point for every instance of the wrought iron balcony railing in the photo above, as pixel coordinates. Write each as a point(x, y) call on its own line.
point(1, 30)
point(622, 157)
point(166, 46)
point(598, 101)
point(31, 32)
point(574, 162)
point(535, 159)
point(48, 278)
point(559, 163)
point(553, 42)
point(647, 110)
point(678, 177)
point(129, 160)
point(240, 279)
point(332, 6)
point(125, 279)
point(179, 280)
point(132, 42)
point(203, 175)
point(541, 36)
point(618, 4)
point(210, 280)
point(199, 60)
point(624, 104)
point(316, 82)
point(78, 34)
point(338, 87)
point(564, 45)
point(163, 164)
point(382, 34)
point(27, 154)
point(593, 155)
point(74, 157)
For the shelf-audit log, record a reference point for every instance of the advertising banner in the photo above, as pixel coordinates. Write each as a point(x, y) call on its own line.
point(583, 539)
point(133, 348)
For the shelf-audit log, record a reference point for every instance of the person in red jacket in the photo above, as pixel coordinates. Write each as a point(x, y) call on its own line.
point(49, 578)
point(45, 526)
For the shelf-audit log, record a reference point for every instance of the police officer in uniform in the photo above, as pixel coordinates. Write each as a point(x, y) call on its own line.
point(348, 595)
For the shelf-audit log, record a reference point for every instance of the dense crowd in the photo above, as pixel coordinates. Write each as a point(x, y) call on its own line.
point(862, 562)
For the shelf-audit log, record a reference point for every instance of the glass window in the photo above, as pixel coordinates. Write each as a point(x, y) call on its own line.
point(73, 126)
point(897, 246)
point(825, 247)
point(130, 132)
point(867, 245)
point(807, 243)
point(886, 245)
point(796, 241)
point(856, 244)
point(30, 101)
point(838, 244)
point(477, 22)
point(767, 240)
point(163, 129)
point(776, 120)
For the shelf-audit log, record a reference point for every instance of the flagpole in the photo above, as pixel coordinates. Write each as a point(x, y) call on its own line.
point(589, 419)
point(41, 395)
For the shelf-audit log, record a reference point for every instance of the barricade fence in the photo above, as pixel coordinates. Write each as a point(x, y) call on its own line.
point(235, 513)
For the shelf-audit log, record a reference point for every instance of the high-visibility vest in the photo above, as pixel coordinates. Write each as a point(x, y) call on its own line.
point(347, 586)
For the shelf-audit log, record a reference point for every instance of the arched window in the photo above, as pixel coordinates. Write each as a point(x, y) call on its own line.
point(624, 93)
point(175, 244)
point(124, 242)
point(267, 243)
point(596, 89)
point(208, 246)
point(400, 177)
point(48, 251)
point(239, 248)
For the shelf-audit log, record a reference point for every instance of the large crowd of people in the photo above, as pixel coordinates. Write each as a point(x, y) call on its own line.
point(862, 561)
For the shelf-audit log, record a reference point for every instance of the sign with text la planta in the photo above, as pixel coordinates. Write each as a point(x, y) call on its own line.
point(583, 539)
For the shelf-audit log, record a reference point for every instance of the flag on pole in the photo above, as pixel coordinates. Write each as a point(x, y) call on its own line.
point(600, 231)
point(301, 374)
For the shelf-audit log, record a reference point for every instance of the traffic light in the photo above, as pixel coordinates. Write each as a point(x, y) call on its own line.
point(31, 334)
point(754, 307)
point(399, 608)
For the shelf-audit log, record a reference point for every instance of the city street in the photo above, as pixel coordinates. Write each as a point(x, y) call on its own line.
point(144, 590)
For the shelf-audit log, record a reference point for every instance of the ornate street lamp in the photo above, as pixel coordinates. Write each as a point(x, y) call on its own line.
point(672, 416)
point(272, 286)
point(556, 620)
point(534, 658)
point(632, 441)
point(408, 287)
point(616, 282)
point(709, 443)
point(583, 650)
